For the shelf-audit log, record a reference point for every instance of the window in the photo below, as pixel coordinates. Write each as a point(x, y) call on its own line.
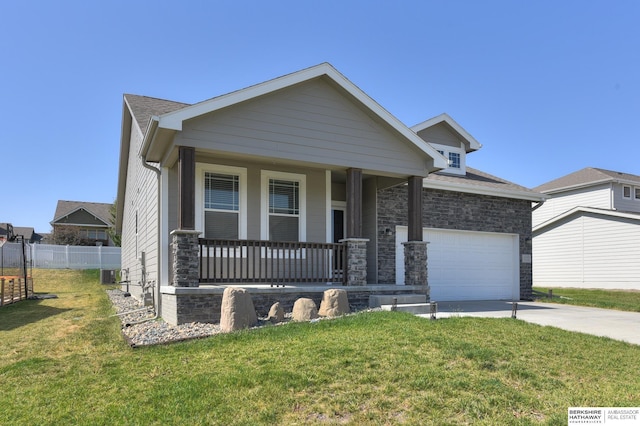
point(221, 201)
point(454, 160)
point(221, 205)
point(94, 234)
point(283, 206)
point(455, 155)
point(626, 191)
point(284, 210)
point(637, 193)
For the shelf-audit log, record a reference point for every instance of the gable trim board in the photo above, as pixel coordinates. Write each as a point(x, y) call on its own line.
point(467, 265)
point(471, 144)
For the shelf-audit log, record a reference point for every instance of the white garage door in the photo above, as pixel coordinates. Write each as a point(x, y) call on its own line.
point(466, 265)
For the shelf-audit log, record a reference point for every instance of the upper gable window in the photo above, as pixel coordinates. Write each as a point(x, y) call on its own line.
point(456, 157)
point(626, 192)
point(454, 160)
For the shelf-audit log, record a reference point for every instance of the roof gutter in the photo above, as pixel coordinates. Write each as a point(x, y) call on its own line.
point(447, 186)
point(149, 137)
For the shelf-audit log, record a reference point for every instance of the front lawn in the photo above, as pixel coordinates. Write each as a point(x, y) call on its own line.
point(623, 300)
point(63, 361)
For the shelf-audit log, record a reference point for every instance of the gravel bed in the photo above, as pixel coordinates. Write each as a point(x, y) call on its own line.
point(141, 329)
point(153, 331)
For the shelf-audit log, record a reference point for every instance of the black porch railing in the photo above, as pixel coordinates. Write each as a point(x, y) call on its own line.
point(271, 262)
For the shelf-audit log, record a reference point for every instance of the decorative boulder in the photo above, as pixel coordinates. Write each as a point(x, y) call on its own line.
point(334, 303)
point(276, 313)
point(237, 311)
point(304, 310)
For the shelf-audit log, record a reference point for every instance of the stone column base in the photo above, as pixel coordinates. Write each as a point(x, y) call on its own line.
point(186, 261)
point(415, 264)
point(356, 267)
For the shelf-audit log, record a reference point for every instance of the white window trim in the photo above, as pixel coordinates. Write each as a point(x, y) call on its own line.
point(630, 192)
point(241, 172)
point(265, 175)
point(446, 149)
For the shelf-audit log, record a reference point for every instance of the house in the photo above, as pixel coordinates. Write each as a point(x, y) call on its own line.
point(82, 222)
point(587, 234)
point(302, 182)
point(9, 232)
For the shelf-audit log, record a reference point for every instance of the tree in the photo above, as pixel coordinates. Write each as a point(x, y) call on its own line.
point(113, 212)
point(67, 235)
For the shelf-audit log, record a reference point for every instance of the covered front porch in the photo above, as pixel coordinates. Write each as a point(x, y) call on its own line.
point(282, 271)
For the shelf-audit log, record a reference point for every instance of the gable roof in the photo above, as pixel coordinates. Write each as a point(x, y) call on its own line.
point(606, 213)
point(471, 144)
point(173, 120)
point(100, 211)
point(588, 176)
point(144, 107)
point(479, 182)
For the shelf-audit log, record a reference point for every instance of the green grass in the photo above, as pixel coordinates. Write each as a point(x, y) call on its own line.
point(623, 300)
point(65, 362)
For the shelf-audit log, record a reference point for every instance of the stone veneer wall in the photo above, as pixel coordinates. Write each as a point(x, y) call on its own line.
point(453, 210)
point(185, 308)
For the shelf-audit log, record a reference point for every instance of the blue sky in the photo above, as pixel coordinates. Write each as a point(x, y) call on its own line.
point(548, 87)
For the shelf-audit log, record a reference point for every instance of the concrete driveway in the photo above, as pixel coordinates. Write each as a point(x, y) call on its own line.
point(617, 325)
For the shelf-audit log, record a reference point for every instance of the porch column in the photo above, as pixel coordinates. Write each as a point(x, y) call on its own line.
point(187, 188)
point(356, 267)
point(354, 203)
point(415, 250)
point(184, 240)
point(415, 208)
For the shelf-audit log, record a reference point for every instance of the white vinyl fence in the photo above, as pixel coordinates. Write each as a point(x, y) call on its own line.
point(61, 257)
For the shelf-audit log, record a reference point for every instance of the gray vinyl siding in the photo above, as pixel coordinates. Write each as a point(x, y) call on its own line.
point(594, 196)
point(589, 251)
point(315, 190)
point(310, 123)
point(141, 198)
point(440, 134)
point(625, 204)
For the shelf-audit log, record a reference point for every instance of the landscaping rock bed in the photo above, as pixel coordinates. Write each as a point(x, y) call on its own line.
point(140, 328)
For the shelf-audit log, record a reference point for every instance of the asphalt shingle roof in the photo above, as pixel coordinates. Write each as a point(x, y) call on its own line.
point(586, 176)
point(100, 210)
point(144, 107)
point(479, 178)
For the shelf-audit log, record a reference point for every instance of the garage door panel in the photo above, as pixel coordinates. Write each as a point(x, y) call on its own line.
point(467, 265)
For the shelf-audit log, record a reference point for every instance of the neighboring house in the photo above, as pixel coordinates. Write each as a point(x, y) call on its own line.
point(91, 221)
point(305, 179)
point(587, 234)
point(9, 232)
